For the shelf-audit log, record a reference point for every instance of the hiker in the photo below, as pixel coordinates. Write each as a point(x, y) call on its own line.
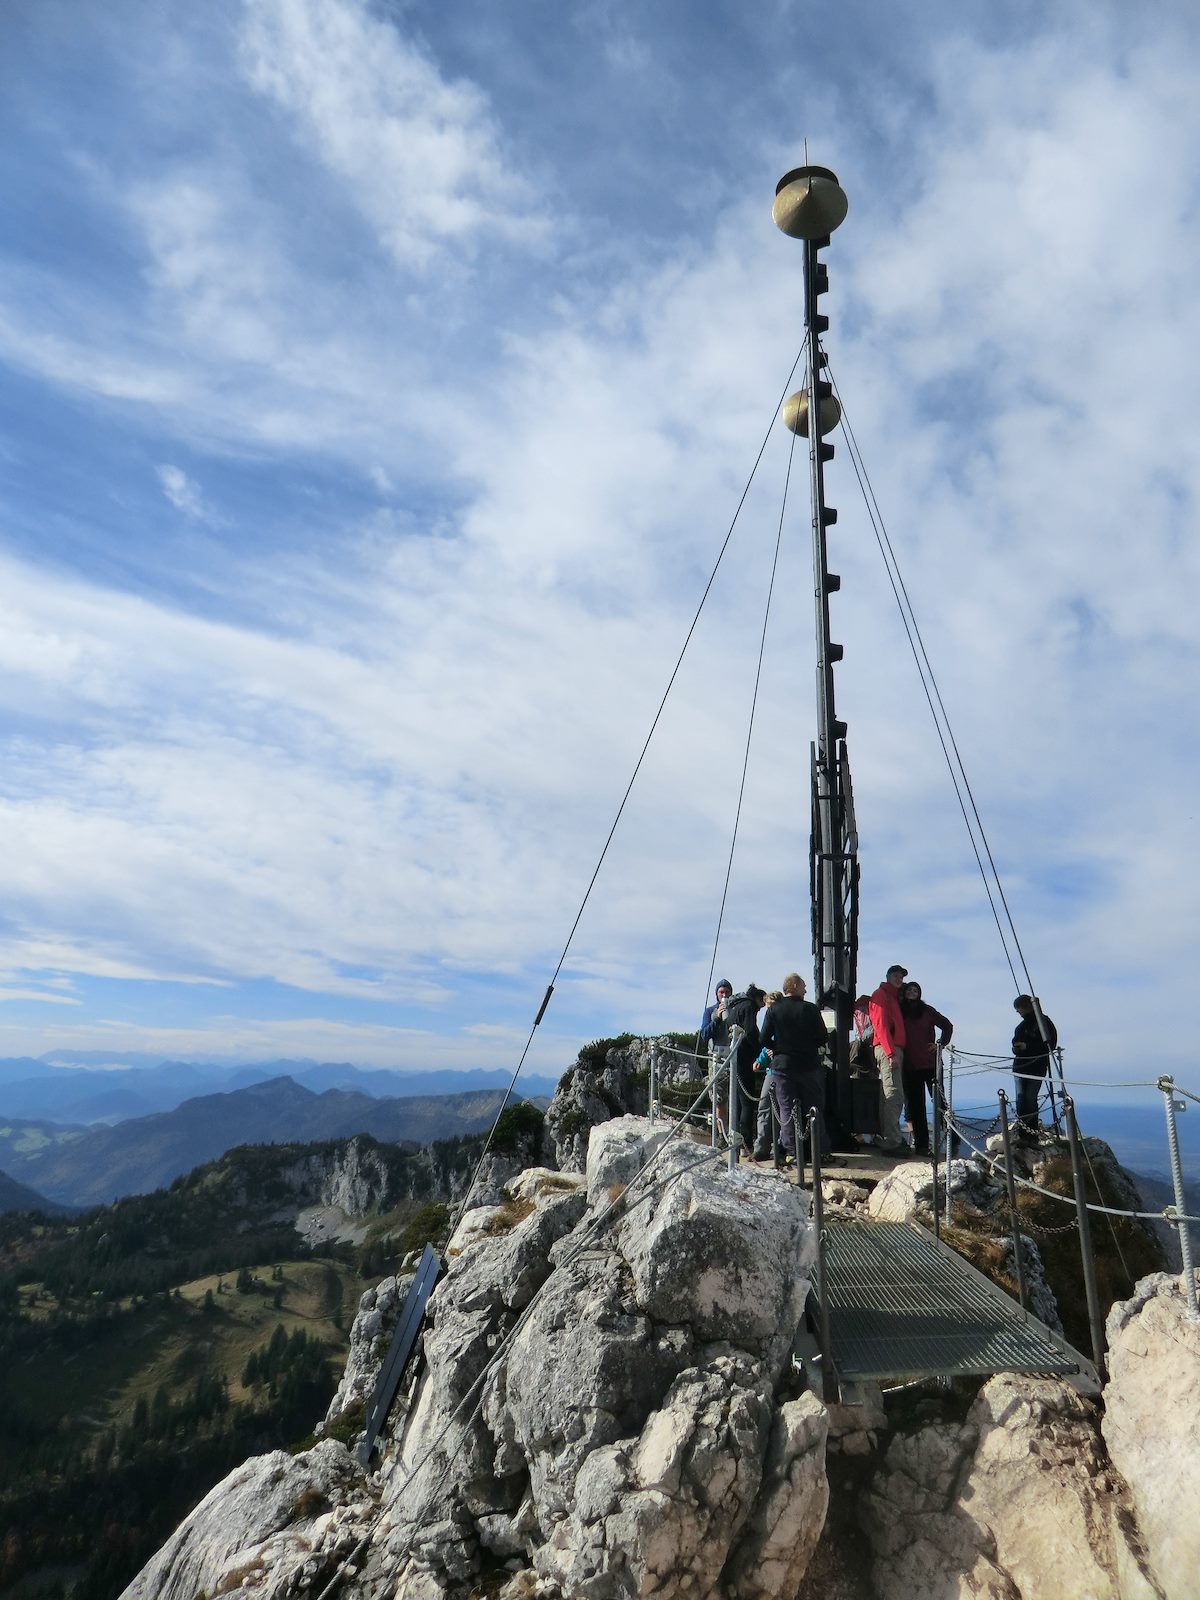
point(795, 1033)
point(1031, 1063)
point(887, 1024)
point(742, 1012)
point(768, 1112)
point(921, 1073)
point(713, 1027)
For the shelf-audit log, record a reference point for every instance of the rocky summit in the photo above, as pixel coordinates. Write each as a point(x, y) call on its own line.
point(607, 1406)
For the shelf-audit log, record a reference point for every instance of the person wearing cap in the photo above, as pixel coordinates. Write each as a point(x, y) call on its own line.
point(713, 1027)
point(887, 1023)
point(1031, 1062)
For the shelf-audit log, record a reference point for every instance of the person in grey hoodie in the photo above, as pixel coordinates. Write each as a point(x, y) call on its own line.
point(713, 1026)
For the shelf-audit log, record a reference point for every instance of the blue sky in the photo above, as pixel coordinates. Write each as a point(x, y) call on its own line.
point(377, 383)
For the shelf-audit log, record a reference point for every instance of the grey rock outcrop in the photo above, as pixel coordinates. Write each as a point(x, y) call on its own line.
point(607, 1409)
point(617, 1083)
point(1042, 1300)
point(374, 1325)
point(1018, 1503)
point(627, 1441)
point(277, 1526)
point(907, 1191)
point(1152, 1424)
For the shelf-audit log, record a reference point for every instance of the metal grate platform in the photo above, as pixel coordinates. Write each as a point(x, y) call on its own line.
point(904, 1305)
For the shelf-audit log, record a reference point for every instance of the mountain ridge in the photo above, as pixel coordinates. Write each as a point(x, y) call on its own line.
point(147, 1153)
point(114, 1090)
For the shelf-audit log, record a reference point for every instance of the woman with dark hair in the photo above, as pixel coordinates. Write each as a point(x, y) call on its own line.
point(920, 1069)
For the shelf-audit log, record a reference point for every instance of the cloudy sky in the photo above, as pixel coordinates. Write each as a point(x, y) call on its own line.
point(377, 385)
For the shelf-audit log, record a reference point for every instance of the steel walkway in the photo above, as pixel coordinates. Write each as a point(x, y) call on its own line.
point(904, 1305)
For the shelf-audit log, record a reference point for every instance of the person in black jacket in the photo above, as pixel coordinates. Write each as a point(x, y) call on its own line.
point(794, 1031)
point(742, 1012)
point(1031, 1063)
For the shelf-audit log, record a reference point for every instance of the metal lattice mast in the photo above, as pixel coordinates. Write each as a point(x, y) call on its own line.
point(809, 205)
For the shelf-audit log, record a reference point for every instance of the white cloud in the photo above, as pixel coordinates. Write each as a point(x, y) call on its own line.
point(183, 494)
point(422, 156)
point(383, 762)
point(231, 1038)
point(39, 995)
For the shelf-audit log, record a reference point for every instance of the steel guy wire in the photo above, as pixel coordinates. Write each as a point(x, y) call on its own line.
point(898, 589)
point(855, 453)
point(1112, 1227)
point(633, 778)
point(762, 644)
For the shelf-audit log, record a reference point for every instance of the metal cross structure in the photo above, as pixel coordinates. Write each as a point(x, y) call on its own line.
point(809, 204)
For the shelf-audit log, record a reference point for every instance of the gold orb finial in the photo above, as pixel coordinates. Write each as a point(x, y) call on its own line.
point(809, 203)
point(795, 413)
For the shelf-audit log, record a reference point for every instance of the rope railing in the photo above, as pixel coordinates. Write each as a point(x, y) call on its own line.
point(1004, 1063)
point(970, 1126)
point(1167, 1214)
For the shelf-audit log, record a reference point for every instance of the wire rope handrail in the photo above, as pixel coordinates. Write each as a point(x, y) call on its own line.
point(712, 578)
point(1003, 1063)
point(1168, 1214)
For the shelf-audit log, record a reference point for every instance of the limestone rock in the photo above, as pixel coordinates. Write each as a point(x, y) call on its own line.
point(777, 1546)
point(592, 1092)
point(689, 1253)
point(855, 1428)
point(446, 1471)
point(621, 1439)
point(1042, 1300)
point(844, 1194)
point(267, 1527)
point(620, 1147)
point(907, 1191)
point(658, 1514)
point(1016, 1504)
point(1152, 1426)
point(370, 1337)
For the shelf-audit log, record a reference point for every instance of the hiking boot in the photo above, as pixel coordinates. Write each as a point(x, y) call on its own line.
point(898, 1152)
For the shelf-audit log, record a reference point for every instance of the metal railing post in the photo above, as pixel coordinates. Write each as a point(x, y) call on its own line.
point(1167, 1085)
point(1062, 1085)
point(1011, 1184)
point(712, 1091)
point(653, 1107)
point(948, 1114)
point(814, 1145)
point(798, 1141)
point(933, 1156)
point(1095, 1320)
point(735, 1034)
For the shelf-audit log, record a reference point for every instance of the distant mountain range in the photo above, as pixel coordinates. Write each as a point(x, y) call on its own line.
point(146, 1153)
point(90, 1087)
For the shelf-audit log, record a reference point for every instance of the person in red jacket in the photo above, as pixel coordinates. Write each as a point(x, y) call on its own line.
point(920, 1072)
point(888, 1025)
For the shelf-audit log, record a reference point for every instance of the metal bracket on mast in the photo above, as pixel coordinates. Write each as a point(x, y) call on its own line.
point(809, 205)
